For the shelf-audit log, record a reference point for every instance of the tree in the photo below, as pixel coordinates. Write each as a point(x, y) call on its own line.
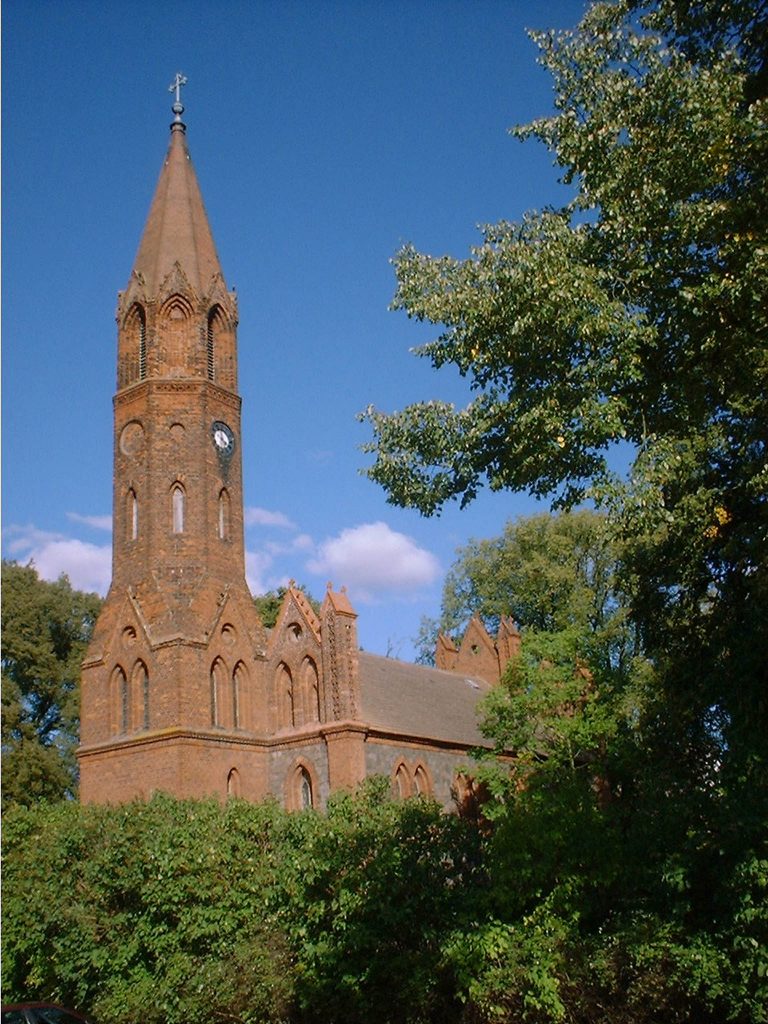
point(187, 911)
point(45, 631)
point(151, 911)
point(636, 314)
point(549, 573)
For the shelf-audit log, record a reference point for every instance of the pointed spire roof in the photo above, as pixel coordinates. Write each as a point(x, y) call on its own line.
point(177, 228)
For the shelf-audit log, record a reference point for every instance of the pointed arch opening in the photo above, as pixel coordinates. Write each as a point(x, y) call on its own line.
point(285, 698)
point(301, 786)
point(422, 784)
point(178, 508)
point(225, 506)
point(119, 701)
point(311, 688)
point(233, 783)
point(305, 789)
point(401, 781)
point(240, 690)
point(176, 337)
point(132, 365)
point(140, 688)
point(218, 693)
point(132, 515)
point(219, 348)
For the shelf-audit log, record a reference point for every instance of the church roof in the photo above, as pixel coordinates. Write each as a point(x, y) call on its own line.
point(418, 701)
point(177, 228)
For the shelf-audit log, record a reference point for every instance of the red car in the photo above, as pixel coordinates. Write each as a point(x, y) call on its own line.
point(41, 1013)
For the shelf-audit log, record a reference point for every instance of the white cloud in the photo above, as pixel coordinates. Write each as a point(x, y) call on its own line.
point(257, 565)
point(301, 542)
point(264, 517)
point(373, 557)
point(97, 522)
point(88, 566)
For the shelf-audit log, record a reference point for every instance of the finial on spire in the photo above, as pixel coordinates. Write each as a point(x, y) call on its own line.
point(178, 108)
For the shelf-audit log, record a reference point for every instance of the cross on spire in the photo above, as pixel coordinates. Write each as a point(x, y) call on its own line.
point(175, 86)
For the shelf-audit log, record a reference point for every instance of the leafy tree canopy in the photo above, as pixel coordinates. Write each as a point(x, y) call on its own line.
point(549, 573)
point(634, 315)
point(179, 912)
point(635, 312)
point(45, 631)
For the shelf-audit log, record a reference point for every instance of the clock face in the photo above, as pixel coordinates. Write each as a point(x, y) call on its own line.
point(223, 438)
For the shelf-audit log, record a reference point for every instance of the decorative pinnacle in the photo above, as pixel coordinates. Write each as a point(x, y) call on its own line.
point(177, 108)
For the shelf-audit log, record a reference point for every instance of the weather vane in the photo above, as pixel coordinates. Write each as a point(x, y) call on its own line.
point(175, 86)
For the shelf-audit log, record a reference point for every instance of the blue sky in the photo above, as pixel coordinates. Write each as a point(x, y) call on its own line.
point(324, 135)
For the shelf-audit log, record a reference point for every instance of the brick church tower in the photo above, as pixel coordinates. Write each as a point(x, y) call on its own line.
point(168, 683)
point(183, 690)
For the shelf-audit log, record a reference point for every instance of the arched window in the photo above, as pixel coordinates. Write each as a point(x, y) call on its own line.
point(210, 347)
point(311, 690)
point(421, 784)
point(178, 501)
point(301, 787)
point(133, 355)
point(220, 349)
point(141, 691)
point(142, 345)
point(285, 698)
point(305, 789)
point(224, 507)
point(402, 782)
point(233, 783)
point(121, 714)
point(218, 685)
point(132, 514)
point(176, 328)
point(239, 686)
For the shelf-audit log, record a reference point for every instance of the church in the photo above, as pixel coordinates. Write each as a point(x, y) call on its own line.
point(183, 689)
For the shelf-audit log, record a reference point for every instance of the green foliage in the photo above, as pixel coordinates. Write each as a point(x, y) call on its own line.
point(550, 573)
point(149, 912)
point(634, 313)
point(634, 316)
point(45, 631)
point(179, 911)
point(620, 871)
point(373, 889)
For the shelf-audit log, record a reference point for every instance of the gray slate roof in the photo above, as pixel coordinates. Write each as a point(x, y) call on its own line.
point(421, 702)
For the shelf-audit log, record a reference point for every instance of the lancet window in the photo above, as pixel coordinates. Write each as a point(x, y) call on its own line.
point(285, 697)
point(141, 691)
point(178, 503)
point(224, 511)
point(132, 514)
point(305, 789)
point(239, 691)
point(120, 699)
point(311, 690)
point(133, 356)
point(421, 784)
point(402, 781)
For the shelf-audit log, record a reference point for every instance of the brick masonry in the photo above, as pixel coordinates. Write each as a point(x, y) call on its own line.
point(183, 690)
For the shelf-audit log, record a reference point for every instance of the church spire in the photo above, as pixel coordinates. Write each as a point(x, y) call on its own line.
point(177, 229)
